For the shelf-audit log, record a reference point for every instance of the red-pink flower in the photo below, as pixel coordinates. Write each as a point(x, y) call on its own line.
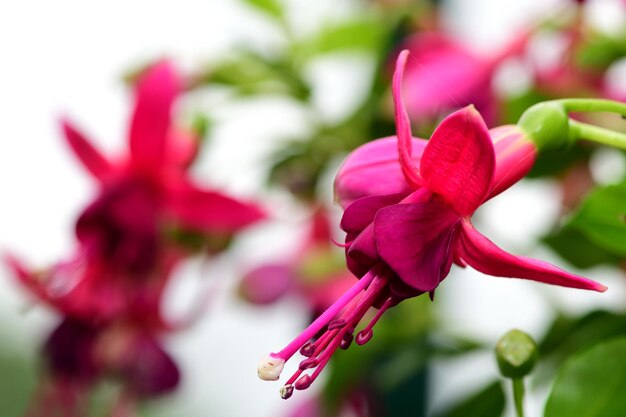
point(444, 75)
point(132, 234)
point(408, 218)
point(313, 273)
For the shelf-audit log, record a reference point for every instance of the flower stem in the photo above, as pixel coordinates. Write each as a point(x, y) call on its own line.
point(578, 130)
point(593, 105)
point(518, 395)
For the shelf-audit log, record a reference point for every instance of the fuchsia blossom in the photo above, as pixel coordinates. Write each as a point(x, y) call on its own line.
point(131, 237)
point(314, 272)
point(408, 206)
point(126, 235)
point(443, 75)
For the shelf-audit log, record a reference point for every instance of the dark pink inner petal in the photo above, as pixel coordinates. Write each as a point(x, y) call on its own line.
point(95, 163)
point(459, 161)
point(374, 169)
point(483, 255)
point(414, 240)
point(150, 123)
point(362, 255)
point(361, 213)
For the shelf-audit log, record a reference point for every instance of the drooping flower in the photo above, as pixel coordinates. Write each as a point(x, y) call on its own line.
point(78, 355)
point(315, 272)
point(445, 75)
point(147, 217)
point(408, 213)
point(134, 231)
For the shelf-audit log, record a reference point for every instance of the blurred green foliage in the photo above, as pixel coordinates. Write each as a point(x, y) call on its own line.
point(591, 383)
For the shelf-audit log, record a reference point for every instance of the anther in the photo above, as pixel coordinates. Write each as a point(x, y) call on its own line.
point(309, 363)
point(336, 324)
point(364, 336)
point(308, 349)
point(286, 391)
point(303, 383)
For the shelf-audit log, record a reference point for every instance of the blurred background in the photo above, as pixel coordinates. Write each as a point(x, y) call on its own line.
point(285, 95)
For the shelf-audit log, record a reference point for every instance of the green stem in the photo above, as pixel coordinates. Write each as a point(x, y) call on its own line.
point(518, 395)
point(578, 130)
point(592, 105)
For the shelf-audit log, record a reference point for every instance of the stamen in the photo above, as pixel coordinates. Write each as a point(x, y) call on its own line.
point(286, 391)
point(308, 363)
point(346, 341)
point(363, 337)
point(308, 349)
point(304, 382)
point(325, 317)
point(336, 324)
point(366, 334)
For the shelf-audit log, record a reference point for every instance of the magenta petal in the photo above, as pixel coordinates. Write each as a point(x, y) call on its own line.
point(403, 125)
point(363, 250)
point(150, 124)
point(374, 169)
point(267, 284)
point(483, 255)
point(210, 211)
point(361, 213)
point(91, 158)
point(459, 161)
point(414, 240)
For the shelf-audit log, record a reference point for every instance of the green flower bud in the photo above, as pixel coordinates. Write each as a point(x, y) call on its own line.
point(516, 353)
point(547, 124)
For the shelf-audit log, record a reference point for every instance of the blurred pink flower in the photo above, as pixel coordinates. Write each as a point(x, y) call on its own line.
point(148, 215)
point(128, 234)
point(315, 272)
point(402, 243)
point(444, 75)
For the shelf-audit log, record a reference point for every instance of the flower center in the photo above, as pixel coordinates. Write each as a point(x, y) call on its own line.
point(336, 325)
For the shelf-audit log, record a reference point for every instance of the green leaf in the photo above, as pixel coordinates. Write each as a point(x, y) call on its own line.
point(592, 383)
point(567, 335)
point(272, 8)
point(602, 218)
point(488, 402)
point(362, 34)
point(251, 73)
point(575, 248)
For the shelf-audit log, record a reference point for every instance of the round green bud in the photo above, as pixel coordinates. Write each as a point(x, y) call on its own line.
point(547, 124)
point(516, 353)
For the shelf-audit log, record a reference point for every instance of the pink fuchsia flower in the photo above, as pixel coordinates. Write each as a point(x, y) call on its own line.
point(444, 75)
point(401, 242)
point(315, 272)
point(133, 233)
point(79, 355)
